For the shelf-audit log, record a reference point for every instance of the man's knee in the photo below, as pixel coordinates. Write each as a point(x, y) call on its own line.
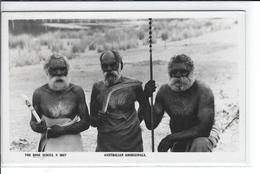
point(201, 144)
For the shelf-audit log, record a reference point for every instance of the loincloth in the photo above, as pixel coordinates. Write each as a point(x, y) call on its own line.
point(124, 137)
point(63, 143)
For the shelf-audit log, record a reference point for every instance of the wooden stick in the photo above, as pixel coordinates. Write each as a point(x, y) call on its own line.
point(151, 78)
point(230, 123)
point(30, 107)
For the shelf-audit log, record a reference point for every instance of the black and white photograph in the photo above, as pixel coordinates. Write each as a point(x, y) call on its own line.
point(113, 84)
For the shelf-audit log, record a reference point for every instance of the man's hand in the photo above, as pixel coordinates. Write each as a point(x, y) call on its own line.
point(149, 88)
point(55, 131)
point(39, 127)
point(101, 118)
point(165, 144)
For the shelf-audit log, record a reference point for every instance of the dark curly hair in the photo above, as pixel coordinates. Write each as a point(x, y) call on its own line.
point(118, 57)
point(53, 57)
point(181, 58)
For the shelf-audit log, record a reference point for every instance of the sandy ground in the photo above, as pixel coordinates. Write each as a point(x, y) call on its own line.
point(216, 60)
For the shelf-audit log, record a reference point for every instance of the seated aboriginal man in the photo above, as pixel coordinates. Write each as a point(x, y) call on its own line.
point(112, 108)
point(190, 106)
point(62, 108)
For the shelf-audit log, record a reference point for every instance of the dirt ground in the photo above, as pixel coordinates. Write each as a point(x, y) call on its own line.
point(216, 63)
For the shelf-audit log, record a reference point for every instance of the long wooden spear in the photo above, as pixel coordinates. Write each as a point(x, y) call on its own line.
point(151, 78)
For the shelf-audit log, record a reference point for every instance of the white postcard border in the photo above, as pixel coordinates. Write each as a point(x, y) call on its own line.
point(94, 158)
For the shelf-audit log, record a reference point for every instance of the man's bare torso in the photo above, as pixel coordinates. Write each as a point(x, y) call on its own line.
point(58, 104)
point(182, 107)
point(121, 101)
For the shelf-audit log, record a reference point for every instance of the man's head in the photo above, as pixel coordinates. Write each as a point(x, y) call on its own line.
point(180, 69)
point(57, 69)
point(111, 65)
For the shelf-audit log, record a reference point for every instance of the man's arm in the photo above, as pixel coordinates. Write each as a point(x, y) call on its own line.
point(83, 113)
point(94, 107)
point(158, 108)
point(206, 116)
point(145, 108)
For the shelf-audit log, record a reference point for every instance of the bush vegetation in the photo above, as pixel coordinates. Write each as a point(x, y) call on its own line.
point(28, 48)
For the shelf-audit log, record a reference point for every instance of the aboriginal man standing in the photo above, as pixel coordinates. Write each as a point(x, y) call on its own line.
point(112, 108)
point(62, 108)
point(190, 105)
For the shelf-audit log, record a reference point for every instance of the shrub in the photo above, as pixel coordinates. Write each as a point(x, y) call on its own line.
point(164, 37)
point(79, 47)
point(141, 35)
point(100, 49)
point(92, 46)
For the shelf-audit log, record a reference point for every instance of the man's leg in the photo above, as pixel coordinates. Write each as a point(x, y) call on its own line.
point(180, 146)
point(201, 144)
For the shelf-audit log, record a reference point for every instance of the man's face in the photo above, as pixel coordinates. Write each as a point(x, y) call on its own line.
point(111, 68)
point(58, 75)
point(181, 77)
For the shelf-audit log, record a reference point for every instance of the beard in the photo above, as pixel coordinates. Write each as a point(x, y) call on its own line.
point(182, 83)
point(111, 77)
point(58, 83)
